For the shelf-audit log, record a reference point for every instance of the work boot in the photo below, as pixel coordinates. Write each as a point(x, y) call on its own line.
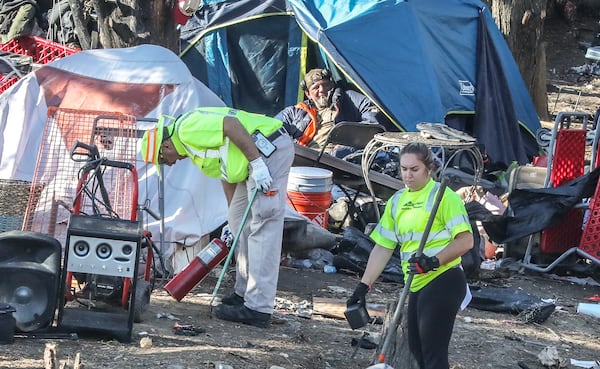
point(241, 314)
point(233, 299)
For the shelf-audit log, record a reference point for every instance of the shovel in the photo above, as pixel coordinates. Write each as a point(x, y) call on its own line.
point(390, 335)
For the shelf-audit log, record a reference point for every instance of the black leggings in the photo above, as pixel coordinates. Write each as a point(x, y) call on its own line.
point(431, 314)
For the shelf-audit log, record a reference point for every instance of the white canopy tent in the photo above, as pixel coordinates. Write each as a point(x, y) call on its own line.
point(144, 81)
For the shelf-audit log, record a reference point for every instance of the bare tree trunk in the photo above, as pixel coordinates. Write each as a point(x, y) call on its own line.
point(79, 24)
point(522, 24)
point(125, 23)
point(539, 93)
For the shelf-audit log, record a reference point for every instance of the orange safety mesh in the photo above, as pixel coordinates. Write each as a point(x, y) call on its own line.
point(115, 135)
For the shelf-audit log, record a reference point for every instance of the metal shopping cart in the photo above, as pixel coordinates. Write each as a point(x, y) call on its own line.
point(90, 204)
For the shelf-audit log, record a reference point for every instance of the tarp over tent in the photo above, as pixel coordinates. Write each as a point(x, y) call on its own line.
point(144, 81)
point(417, 60)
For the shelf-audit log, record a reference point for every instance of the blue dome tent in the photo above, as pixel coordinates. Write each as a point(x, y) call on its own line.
point(439, 61)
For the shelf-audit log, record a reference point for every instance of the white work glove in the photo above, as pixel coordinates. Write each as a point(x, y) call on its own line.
point(226, 235)
point(260, 174)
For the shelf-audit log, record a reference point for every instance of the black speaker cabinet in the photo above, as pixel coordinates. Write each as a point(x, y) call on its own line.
point(101, 254)
point(30, 277)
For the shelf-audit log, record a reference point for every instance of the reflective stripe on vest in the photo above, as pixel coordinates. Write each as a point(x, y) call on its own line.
point(445, 233)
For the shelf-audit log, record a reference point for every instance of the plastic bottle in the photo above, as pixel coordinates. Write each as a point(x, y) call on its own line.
point(329, 269)
point(300, 263)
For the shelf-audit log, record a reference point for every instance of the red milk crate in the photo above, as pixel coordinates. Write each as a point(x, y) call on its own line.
point(41, 51)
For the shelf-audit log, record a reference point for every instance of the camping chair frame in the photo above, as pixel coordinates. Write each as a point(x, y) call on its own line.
point(445, 152)
point(570, 142)
point(356, 135)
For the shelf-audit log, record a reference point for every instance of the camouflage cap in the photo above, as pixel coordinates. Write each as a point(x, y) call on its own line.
point(315, 75)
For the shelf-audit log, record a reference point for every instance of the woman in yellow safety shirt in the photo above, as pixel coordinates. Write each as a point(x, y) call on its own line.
point(439, 283)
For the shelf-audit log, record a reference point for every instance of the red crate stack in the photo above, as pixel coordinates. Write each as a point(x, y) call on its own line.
point(41, 50)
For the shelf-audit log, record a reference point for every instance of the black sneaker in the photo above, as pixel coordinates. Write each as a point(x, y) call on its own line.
point(241, 314)
point(233, 299)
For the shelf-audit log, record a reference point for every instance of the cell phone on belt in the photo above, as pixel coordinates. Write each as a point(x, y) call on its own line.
point(263, 145)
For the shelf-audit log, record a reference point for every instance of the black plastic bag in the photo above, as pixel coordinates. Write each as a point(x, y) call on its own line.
point(471, 260)
point(533, 210)
point(507, 300)
point(352, 253)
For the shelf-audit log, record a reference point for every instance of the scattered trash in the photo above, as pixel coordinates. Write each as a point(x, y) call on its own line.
point(317, 259)
point(586, 364)
point(302, 309)
point(593, 298)
point(588, 281)
point(549, 358)
point(166, 315)
point(363, 342)
point(592, 68)
point(529, 308)
point(488, 265)
point(146, 342)
point(329, 269)
point(187, 329)
point(297, 263)
point(589, 309)
point(320, 258)
point(338, 289)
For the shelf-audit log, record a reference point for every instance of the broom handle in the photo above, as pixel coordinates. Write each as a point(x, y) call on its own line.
point(398, 312)
point(233, 245)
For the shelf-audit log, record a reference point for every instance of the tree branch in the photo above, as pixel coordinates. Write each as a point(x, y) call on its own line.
point(80, 30)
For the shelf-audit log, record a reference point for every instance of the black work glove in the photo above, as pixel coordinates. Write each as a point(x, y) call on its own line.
point(359, 295)
point(422, 264)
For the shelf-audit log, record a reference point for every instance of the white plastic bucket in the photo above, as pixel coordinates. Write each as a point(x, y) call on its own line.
point(309, 193)
point(310, 179)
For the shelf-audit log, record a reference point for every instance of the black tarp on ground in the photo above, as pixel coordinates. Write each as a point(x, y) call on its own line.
point(508, 300)
point(533, 210)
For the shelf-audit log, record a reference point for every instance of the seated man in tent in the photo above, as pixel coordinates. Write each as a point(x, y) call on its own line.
point(310, 121)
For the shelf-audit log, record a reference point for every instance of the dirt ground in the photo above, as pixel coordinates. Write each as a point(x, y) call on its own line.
point(569, 86)
point(482, 339)
point(298, 339)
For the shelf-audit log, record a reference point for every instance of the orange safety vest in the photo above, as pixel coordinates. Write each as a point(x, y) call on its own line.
point(311, 129)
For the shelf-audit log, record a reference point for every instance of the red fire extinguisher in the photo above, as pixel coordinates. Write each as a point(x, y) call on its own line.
point(209, 257)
